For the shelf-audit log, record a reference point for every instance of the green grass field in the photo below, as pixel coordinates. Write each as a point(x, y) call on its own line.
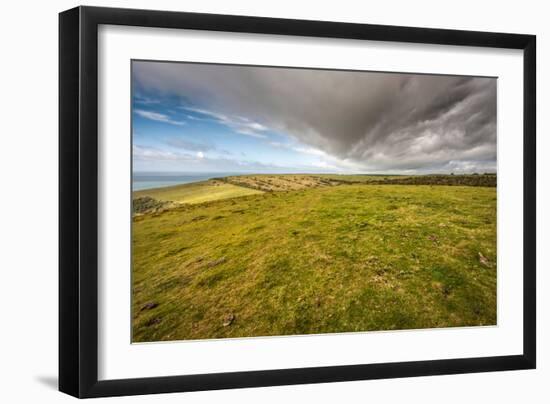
point(233, 261)
point(197, 192)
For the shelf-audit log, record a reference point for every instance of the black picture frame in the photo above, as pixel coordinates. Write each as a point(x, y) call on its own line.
point(78, 201)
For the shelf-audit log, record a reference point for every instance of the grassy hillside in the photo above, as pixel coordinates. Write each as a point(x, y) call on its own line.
point(322, 258)
point(293, 182)
point(475, 180)
point(280, 182)
point(357, 178)
point(197, 192)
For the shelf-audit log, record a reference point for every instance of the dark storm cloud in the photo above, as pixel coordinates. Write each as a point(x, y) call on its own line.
point(372, 121)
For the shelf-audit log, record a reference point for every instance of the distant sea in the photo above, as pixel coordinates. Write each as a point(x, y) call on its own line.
point(148, 180)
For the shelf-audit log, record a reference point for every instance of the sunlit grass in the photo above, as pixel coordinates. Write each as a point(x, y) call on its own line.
point(197, 192)
point(317, 260)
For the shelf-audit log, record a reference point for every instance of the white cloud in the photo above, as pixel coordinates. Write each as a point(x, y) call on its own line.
point(310, 150)
point(250, 132)
point(145, 100)
point(155, 116)
point(239, 124)
point(154, 154)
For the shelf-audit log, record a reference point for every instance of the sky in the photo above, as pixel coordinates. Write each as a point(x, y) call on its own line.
point(208, 118)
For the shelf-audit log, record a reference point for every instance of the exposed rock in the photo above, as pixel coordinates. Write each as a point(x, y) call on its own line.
point(228, 319)
point(153, 321)
point(149, 306)
point(483, 260)
point(216, 262)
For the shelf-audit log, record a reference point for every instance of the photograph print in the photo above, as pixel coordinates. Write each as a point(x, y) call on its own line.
point(275, 201)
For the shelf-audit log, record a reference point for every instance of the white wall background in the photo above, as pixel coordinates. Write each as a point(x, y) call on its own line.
point(28, 201)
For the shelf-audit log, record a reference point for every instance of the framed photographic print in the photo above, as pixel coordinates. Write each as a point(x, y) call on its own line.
point(251, 201)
